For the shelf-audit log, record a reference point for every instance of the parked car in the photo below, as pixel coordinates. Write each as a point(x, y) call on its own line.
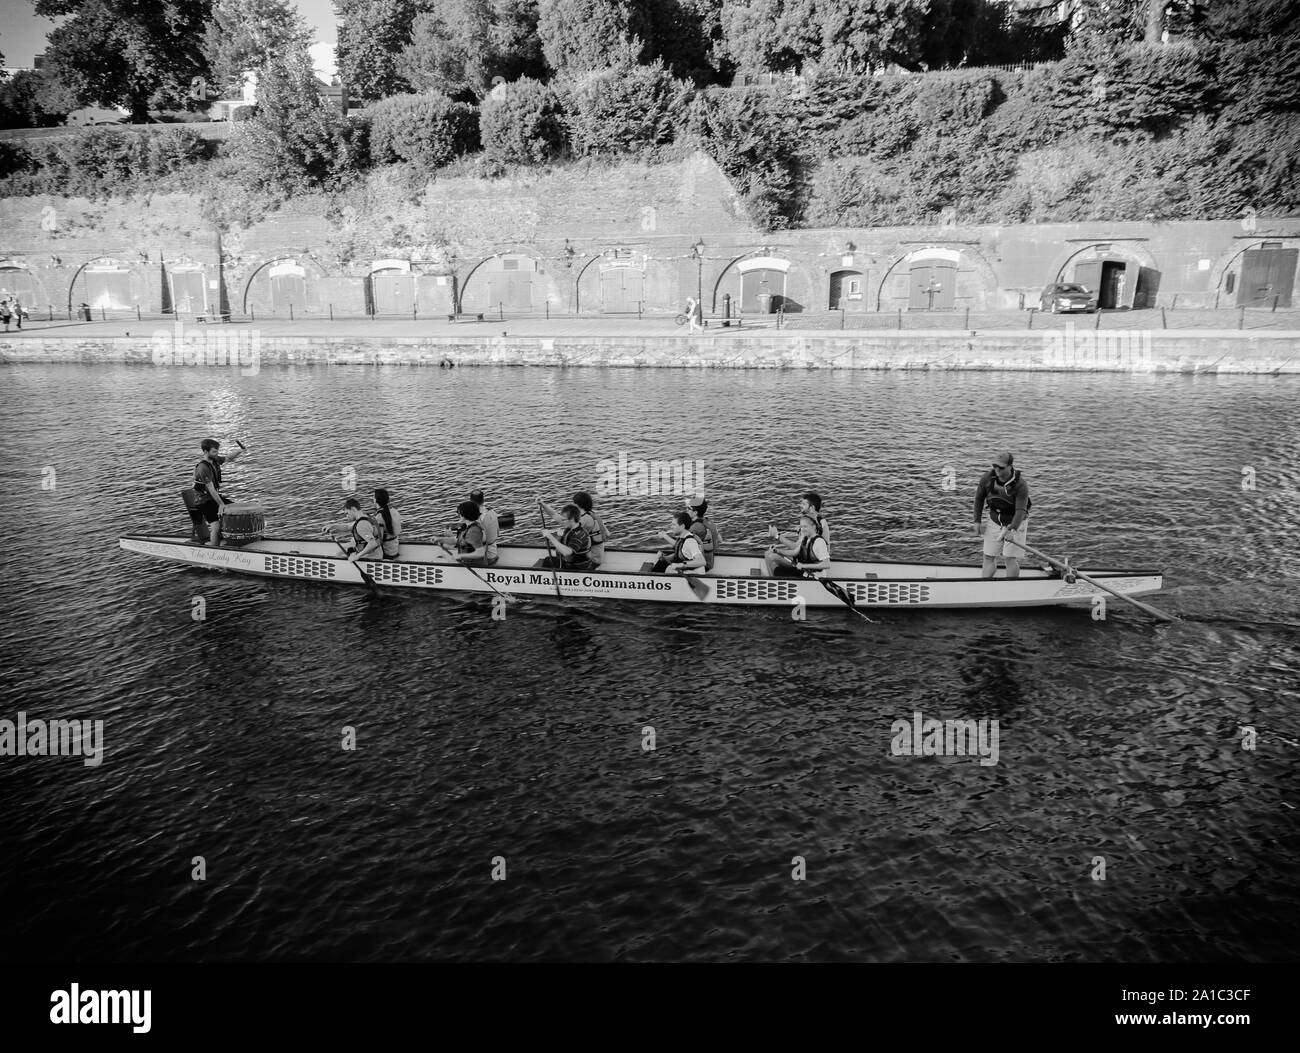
point(1067, 296)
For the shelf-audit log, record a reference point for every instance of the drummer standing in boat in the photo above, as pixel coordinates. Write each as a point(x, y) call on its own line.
point(207, 483)
point(1006, 494)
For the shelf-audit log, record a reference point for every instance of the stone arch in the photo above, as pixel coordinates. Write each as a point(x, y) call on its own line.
point(520, 289)
point(20, 280)
point(1133, 254)
point(976, 281)
point(1230, 263)
point(306, 260)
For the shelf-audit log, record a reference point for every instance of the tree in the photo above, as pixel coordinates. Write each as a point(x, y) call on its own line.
point(296, 142)
point(579, 36)
point(372, 34)
point(521, 124)
point(459, 47)
point(29, 100)
point(133, 53)
point(246, 35)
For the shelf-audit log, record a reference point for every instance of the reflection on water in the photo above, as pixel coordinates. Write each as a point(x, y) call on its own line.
point(523, 737)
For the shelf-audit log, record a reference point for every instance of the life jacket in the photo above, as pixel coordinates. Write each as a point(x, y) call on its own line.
point(708, 537)
point(388, 536)
point(463, 541)
point(1001, 498)
point(677, 556)
point(598, 536)
point(357, 539)
point(806, 554)
point(201, 485)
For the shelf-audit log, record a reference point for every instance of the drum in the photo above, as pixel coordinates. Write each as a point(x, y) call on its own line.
point(242, 524)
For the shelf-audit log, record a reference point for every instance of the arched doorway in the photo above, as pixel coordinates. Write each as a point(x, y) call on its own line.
point(17, 281)
point(503, 283)
point(622, 283)
point(932, 280)
point(189, 289)
point(391, 288)
point(846, 291)
point(763, 284)
point(1122, 273)
point(288, 287)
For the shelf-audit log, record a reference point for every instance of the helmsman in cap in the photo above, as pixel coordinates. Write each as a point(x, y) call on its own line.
point(1003, 490)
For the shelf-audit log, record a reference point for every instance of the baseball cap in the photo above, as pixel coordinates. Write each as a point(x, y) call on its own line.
point(1004, 459)
point(695, 501)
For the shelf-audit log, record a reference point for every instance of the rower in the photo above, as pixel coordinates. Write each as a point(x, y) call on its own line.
point(1006, 493)
point(366, 540)
point(470, 540)
point(207, 484)
point(703, 529)
point(686, 554)
point(571, 542)
point(810, 504)
point(589, 521)
point(491, 524)
point(809, 552)
point(389, 521)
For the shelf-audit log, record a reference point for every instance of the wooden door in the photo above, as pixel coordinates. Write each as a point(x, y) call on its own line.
point(108, 290)
point(393, 293)
point(933, 286)
point(289, 290)
point(189, 292)
point(1266, 273)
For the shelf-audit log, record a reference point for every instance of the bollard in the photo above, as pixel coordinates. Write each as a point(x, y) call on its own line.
point(841, 317)
point(137, 310)
point(900, 319)
point(548, 309)
point(966, 324)
point(1031, 316)
point(1097, 323)
point(103, 314)
point(1241, 317)
point(414, 317)
point(331, 312)
point(1275, 299)
point(291, 310)
point(779, 316)
point(501, 311)
point(51, 307)
point(1164, 322)
point(638, 310)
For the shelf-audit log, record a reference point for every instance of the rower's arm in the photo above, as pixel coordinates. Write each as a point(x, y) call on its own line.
point(371, 546)
point(1022, 504)
point(560, 546)
point(478, 553)
point(548, 509)
point(981, 492)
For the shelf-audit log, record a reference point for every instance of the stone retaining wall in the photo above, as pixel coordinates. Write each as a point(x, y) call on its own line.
point(1123, 351)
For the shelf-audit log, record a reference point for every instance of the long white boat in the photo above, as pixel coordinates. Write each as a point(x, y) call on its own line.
point(625, 575)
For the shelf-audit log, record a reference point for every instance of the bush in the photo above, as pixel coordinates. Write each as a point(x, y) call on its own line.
point(428, 130)
point(521, 125)
point(622, 111)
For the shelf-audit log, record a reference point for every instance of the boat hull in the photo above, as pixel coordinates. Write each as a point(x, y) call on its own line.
point(625, 576)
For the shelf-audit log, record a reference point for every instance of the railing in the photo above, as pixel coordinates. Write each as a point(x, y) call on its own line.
point(1271, 316)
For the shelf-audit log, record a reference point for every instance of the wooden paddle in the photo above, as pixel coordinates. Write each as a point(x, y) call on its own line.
point(1065, 568)
point(555, 573)
point(366, 577)
point(839, 593)
point(504, 595)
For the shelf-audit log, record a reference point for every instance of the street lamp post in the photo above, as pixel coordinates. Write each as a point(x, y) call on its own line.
point(697, 250)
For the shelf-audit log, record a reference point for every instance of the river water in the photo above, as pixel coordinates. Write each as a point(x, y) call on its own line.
point(521, 741)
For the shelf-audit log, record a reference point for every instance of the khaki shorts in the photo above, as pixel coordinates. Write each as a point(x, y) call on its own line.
point(1008, 548)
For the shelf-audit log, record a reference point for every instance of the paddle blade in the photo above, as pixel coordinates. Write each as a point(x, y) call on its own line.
point(698, 587)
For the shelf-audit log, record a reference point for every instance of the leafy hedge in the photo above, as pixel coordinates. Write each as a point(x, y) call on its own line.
point(628, 110)
point(427, 130)
point(521, 124)
point(96, 162)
